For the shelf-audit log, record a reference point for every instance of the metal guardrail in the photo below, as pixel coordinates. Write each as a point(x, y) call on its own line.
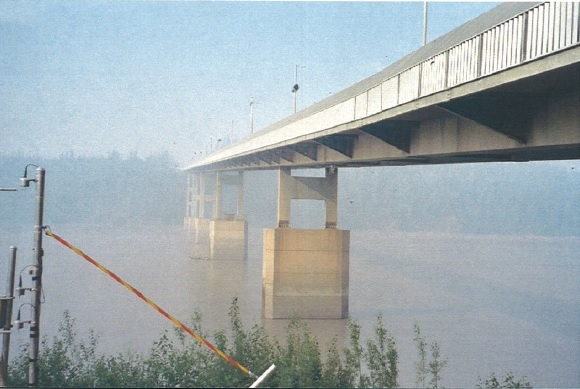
point(539, 31)
point(542, 30)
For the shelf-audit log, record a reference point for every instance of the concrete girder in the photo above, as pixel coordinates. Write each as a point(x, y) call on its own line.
point(307, 149)
point(249, 160)
point(286, 154)
point(510, 114)
point(394, 132)
point(442, 127)
point(269, 157)
point(343, 143)
point(274, 157)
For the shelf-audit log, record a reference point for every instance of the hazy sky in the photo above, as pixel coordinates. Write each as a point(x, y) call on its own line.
point(148, 77)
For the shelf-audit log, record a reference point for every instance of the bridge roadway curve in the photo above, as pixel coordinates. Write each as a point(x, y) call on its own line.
point(505, 86)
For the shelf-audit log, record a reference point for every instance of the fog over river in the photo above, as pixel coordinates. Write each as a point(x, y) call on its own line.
point(494, 303)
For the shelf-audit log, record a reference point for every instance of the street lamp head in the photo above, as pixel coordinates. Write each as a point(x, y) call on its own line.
point(295, 88)
point(25, 181)
point(19, 323)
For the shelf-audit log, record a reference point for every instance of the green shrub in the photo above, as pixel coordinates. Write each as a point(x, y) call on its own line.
point(178, 360)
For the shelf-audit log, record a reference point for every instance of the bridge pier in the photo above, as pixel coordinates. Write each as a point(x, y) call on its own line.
point(306, 271)
point(224, 235)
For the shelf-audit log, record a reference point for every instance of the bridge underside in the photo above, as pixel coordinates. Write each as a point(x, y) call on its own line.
point(506, 88)
point(534, 118)
point(305, 272)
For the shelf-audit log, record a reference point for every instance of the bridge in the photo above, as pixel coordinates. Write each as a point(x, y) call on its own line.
point(503, 87)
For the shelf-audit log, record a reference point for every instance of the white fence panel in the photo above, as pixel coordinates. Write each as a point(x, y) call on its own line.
point(374, 100)
point(360, 106)
point(390, 93)
point(542, 30)
point(409, 84)
point(463, 62)
point(433, 74)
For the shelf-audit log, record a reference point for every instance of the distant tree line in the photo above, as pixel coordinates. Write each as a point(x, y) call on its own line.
point(181, 361)
point(100, 190)
point(485, 198)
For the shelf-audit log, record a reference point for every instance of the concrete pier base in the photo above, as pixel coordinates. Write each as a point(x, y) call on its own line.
point(228, 239)
point(201, 230)
point(218, 239)
point(305, 273)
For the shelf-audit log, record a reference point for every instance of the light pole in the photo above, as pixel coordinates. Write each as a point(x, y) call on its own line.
point(6, 313)
point(6, 304)
point(424, 22)
point(36, 273)
point(252, 115)
point(296, 87)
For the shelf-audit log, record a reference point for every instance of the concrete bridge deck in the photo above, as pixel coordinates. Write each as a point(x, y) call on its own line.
point(502, 87)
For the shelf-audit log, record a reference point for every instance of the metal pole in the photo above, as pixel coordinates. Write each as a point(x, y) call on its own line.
point(263, 377)
point(424, 23)
point(296, 87)
point(37, 279)
point(8, 323)
point(295, 83)
point(252, 115)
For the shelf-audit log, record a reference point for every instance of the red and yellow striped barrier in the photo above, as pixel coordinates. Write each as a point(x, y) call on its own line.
point(151, 303)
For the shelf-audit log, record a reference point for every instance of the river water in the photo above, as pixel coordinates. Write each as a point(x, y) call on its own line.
point(493, 303)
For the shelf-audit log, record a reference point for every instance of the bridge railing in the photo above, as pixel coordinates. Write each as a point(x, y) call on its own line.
point(539, 31)
point(542, 30)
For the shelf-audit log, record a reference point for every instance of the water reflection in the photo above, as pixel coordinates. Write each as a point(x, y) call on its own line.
point(325, 330)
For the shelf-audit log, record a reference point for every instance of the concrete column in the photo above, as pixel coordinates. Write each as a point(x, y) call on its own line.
point(330, 200)
point(228, 236)
point(306, 272)
point(195, 220)
point(196, 177)
point(308, 188)
point(201, 196)
point(221, 236)
point(217, 209)
point(193, 199)
point(189, 201)
point(240, 206)
point(284, 197)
